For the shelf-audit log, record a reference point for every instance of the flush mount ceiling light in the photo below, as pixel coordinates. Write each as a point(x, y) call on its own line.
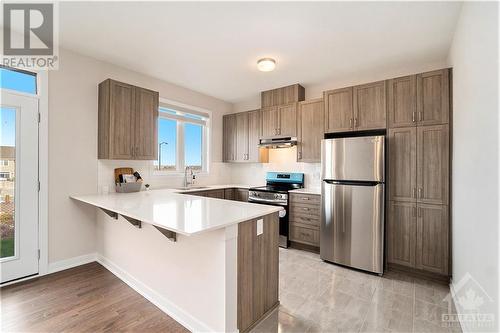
point(266, 64)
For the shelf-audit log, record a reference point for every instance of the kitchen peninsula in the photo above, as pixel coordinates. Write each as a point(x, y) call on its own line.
point(209, 263)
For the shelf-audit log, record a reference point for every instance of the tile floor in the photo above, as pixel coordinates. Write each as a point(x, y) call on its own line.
point(319, 297)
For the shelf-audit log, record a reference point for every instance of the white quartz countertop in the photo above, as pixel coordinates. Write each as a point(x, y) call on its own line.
point(310, 190)
point(181, 213)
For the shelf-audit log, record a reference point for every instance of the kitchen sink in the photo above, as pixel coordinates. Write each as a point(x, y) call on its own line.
point(192, 188)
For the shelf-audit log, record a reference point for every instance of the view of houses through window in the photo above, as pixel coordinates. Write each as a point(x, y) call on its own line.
point(181, 141)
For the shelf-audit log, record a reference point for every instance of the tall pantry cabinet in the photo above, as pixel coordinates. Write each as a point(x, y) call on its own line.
point(419, 172)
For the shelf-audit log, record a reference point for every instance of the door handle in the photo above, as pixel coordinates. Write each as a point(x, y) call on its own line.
point(420, 116)
point(420, 193)
point(350, 123)
point(356, 122)
point(413, 116)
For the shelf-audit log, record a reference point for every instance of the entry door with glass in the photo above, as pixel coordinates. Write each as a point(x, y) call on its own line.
point(18, 185)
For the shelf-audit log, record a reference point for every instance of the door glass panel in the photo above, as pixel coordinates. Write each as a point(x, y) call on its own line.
point(7, 181)
point(18, 81)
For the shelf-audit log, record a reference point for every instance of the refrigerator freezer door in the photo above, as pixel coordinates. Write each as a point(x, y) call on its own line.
point(356, 158)
point(352, 225)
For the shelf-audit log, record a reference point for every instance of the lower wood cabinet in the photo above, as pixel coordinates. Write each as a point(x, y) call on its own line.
point(219, 194)
point(418, 236)
point(402, 233)
point(432, 238)
point(304, 218)
point(240, 194)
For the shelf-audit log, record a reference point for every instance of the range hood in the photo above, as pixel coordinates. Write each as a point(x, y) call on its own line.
point(281, 142)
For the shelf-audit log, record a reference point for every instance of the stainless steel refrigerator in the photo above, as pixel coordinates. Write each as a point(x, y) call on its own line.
point(352, 209)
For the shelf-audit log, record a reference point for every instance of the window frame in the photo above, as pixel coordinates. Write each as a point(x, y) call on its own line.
point(181, 110)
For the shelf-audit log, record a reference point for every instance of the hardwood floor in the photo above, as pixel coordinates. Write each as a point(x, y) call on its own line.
point(87, 298)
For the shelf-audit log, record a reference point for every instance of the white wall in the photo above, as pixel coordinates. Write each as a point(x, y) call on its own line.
point(315, 90)
point(475, 167)
point(73, 164)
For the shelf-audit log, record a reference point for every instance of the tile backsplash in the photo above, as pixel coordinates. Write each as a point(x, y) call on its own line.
point(220, 173)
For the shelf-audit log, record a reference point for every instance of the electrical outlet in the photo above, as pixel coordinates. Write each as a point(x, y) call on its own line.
point(260, 227)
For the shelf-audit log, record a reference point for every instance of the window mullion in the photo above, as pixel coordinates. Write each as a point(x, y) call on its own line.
point(180, 146)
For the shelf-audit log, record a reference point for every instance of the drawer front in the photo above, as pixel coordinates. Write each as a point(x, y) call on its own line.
point(304, 235)
point(311, 221)
point(312, 211)
point(305, 198)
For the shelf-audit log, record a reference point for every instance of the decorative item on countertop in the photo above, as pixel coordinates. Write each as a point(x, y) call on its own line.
point(127, 181)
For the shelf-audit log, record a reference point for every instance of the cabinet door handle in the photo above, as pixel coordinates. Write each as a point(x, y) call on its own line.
point(305, 198)
point(413, 116)
point(304, 208)
point(419, 212)
point(350, 123)
point(420, 193)
point(420, 116)
point(356, 122)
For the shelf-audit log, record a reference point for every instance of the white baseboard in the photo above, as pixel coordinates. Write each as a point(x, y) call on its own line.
point(71, 262)
point(179, 315)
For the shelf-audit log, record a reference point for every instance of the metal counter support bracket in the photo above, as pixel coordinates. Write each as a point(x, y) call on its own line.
point(134, 222)
point(110, 213)
point(172, 236)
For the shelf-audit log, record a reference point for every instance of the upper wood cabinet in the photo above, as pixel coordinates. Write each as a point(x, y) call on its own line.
point(338, 110)
point(421, 99)
point(402, 101)
point(229, 138)
point(241, 136)
point(287, 119)
point(269, 118)
point(432, 239)
point(241, 133)
point(279, 120)
point(369, 103)
point(356, 108)
point(255, 154)
point(283, 95)
point(433, 164)
point(433, 97)
point(402, 149)
point(310, 128)
point(127, 122)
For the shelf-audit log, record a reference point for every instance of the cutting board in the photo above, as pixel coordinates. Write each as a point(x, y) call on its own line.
point(122, 171)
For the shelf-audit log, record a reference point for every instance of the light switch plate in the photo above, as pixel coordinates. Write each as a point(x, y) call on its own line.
point(260, 227)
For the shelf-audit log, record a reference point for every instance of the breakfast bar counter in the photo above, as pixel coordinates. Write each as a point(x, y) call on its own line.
point(211, 264)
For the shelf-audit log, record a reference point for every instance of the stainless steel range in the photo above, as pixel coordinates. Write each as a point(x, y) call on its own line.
point(276, 193)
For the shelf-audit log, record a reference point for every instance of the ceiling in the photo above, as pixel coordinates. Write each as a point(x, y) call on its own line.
point(213, 47)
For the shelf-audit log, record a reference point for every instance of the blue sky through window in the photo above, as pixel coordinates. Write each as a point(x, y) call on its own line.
point(167, 132)
point(17, 81)
point(7, 127)
point(193, 144)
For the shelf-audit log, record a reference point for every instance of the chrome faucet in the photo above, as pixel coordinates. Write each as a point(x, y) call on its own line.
point(186, 182)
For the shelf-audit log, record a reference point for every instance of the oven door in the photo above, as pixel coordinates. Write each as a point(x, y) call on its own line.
point(283, 215)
